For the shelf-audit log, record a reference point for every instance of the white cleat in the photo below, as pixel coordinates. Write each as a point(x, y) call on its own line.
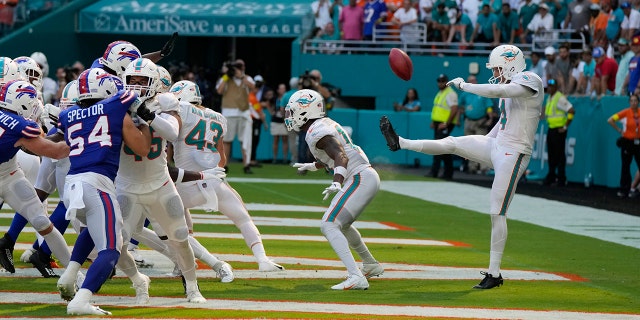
point(26, 255)
point(269, 266)
point(353, 282)
point(79, 279)
point(372, 270)
point(142, 290)
point(194, 295)
point(140, 262)
point(67, 286)
point(224, 272)
point(85, 309)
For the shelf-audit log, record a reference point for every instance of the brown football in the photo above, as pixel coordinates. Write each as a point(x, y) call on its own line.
point(400, 64)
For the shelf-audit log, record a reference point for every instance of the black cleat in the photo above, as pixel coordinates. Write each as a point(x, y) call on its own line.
point(6, 253)
point(489, 281)
point(393, 141)
point(42, 262)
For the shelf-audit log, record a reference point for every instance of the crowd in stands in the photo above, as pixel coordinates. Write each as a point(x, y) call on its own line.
point(14, 13)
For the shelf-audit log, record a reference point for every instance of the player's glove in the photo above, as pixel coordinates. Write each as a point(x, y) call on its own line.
point(333, 188)
point(168, 47)
point(304, 167)
point(52, 112)
point(457, 83)
point(213, 173)
point(144, 113)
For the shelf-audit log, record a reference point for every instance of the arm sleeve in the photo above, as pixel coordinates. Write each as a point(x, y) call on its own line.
point(166, 126)
point(509, 90)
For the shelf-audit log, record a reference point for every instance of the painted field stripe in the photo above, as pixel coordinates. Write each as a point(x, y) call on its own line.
point(323, 308)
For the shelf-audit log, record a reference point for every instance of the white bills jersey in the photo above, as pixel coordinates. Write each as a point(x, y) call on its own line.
point(519, 117)
point(202, 130)
point(327, 127)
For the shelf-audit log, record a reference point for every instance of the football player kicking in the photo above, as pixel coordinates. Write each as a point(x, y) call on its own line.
point(355, 183)
point(507, 148)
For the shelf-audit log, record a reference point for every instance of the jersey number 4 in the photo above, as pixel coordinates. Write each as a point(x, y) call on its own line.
point(99, 134)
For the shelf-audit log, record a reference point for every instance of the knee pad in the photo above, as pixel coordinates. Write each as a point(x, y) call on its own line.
point(174, 207)
point(181, 234)
point(125, 206)
point(40, 222)
point(24, 191)
point(326, 226)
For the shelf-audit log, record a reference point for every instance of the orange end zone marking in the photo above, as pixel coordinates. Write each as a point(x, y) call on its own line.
point(201, 265)
point(458, 243)
point(397, 226)
point(572, 277)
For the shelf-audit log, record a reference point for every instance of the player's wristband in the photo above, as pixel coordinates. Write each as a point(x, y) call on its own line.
point(180, 175)
point(340, 170)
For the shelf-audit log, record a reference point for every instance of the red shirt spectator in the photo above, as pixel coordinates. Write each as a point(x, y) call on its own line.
point(351, 21)
point(605, 73)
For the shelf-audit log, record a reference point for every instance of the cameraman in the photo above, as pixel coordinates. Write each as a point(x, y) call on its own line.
point(234, 87)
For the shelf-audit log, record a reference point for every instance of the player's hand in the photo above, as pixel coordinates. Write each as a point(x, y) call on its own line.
point(52, 112)
point(456, 83)
point(144, 113)
point(304, 167)
point(333, 188)
point(214, 173)
point(168, 46)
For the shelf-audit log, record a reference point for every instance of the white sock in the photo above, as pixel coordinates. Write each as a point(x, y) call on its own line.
point(340, 245)
point(186, 261)
point(127, 264)
point(252, 237)
point(356, 243)
point(433, 147)
point(201, 253)
point(58, 246)
point(498, 242)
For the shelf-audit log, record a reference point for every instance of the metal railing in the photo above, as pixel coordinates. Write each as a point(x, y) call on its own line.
point(412, 33)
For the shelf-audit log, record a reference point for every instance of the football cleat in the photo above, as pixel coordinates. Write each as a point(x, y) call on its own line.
point(6, 253)
point(372, 270)
point(67, 287)
point(142, 290)
point(42, 262)
point(269, 266)
point(353, 282)
point(86, 309)
point(489, 281)
point(140, 262)
point(393, 141)
point(194, 295)
point(224, 272)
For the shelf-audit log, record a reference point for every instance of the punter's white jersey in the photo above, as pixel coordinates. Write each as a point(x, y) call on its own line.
point(202, 130)
point(519, 117)
point(138, 174)
point(326, 127)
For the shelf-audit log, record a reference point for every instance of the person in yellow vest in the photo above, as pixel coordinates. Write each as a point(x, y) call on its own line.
point(444, 115)
point(558, 113)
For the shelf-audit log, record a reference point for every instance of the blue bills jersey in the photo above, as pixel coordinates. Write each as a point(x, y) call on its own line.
point(12, 128)
point(94, 134)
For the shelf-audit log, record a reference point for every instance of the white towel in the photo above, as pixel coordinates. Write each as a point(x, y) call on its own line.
point(73, 194)
point(206, 187)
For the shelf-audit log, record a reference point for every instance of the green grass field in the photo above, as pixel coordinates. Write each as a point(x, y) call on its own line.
point(606, 275)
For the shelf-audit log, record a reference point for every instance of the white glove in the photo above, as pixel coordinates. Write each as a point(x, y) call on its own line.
point(333, 188)
point(52, 112)
point(304, 167)
point(167, 101)
point(213, 173)
point(457, 83)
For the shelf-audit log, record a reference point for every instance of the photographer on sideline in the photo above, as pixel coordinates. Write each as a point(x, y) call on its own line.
point(234, 87)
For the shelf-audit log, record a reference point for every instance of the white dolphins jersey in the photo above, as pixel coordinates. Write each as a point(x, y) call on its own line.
point(202, 130)
point(519, 117)
point(326, 127)
point(138, 174)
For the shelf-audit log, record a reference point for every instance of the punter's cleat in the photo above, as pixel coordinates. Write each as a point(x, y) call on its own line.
point(372, 270)
point(393, 141)
point(489, 281)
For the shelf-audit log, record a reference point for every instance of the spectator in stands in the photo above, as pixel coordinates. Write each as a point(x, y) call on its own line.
point(634, 67)
point(509, 24)
point(558, 9)
point(440, 23)
point(351, 22)
point(6, 16)
point(321, 12)
point(623, 66)
point(392, 7)
point(587, 70)
point(541, 23)
point(526, 13)
point(336, 8)
point(486, 29)
point(598, 24)
point(405, 17)
point(462, 30)
point(551, 67)
point(578, 16)
point(426, 7)
point(616, 16)
point(478, 117)
point(566, 83)
point(329, 35)
point(277, 128)
point(537, 66)
point(294, 85)
point(628, 142)
point(471, 8)
point(604, 80)
point(375, 11)
point(631, 22)
point(411, 102)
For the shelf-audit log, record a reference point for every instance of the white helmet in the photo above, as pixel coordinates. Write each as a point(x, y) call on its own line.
point(9, 70)
point(41, 59)
point(21, 97)
point(31, 71)
point(118, 55)
point(188, 91)
point(69, 95)
point(164, 83)
point(509, 59)
point(142, 67)
point(95, 83)
point(303, 106)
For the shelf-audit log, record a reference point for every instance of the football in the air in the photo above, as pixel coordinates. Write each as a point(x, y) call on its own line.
point(400, 64)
